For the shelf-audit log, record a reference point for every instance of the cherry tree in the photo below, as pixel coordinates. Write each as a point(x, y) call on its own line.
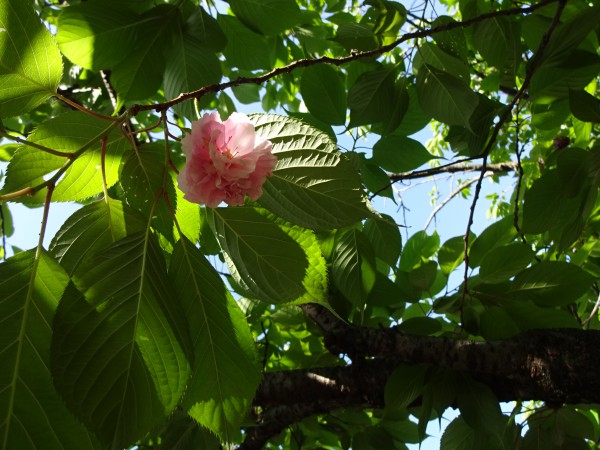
point(228, 280)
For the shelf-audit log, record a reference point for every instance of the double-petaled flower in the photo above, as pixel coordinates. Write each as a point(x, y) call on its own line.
point(224, 161)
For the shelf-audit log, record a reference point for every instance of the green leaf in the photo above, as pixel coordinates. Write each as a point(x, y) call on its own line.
point(267, 16)
point(205, 30)
point(452, 41)
point(353, 266)
point(498, 40)
point(423, 326)
point(502, 263)
point(479, 407)
point(92, 228)
point(452, 254)
point(140, 74)
point(423, 276)
point(68, 133)
point(384, 236)
point(550, 116)
point(458, 436)
point(584, 106)
point(400, 154)
point(569, 35)
point(444, 97)
point(497, 234)
point(117, 347)
point(356, 36)
point(313, 184)
point(189, 67)
point(388, 23)
point(6, 221)
point(246, 49)
point(434, 56)
point(32, 415)
point(551, 82)
point(551, 283)
point(420, 245)
point(30, 62)
point(323, 91)
point(529, 316)
point(225, 374)
point(276, 261)
point(404, 386)
point(188, 217)
point(375, 179)
point(546, 204)
point(414, 119)
point(97, 34)
point(496, 324)
point(378, 96)
point(144, 178)
point(181, 432)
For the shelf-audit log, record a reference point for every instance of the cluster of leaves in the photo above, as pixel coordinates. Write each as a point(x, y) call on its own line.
point(123, 332)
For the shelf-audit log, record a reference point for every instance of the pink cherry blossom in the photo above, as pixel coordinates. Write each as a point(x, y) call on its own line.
point(224, 161)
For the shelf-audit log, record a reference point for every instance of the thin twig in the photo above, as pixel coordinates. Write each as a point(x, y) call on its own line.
point(491, 142)
point(307, 62)
point(455, 167)
point(37, 146)
point(112, 95)
point(31, 190)
point(3, 231)
point(81, 108)
point(453, 194)
point(586, 322)
point(519, 182)
point(45, 219)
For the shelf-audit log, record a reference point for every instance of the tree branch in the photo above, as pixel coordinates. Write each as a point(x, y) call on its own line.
point(260, 79)
point(545, 365)
point(530, 70)
point(454, 168)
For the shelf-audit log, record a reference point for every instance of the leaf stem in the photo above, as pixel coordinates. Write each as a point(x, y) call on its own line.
point(103, 168)
point(36, 146)
point(40, 245)
point(31, 190)
point(307, 62)
point(81, 108)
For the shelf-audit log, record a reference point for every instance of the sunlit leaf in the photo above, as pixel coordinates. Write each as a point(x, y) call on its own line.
point(552, 283)
point(32, 415)
point(313, 184)
point(445, 97)
point(190, 66)
point(30, 63)
point(353, 266)
point(144, 178)
point(140, 73)
point(92, 35)
point(68, 133)
point(92, 228)
point(225, 372)
point(117, 348)
point(324, 94)
point(260, 15)
point(400, 154)
point(245, 48)
point(384, 235)
point(584, 106)
point(276, 261)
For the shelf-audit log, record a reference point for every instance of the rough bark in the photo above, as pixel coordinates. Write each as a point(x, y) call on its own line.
point(556, 366)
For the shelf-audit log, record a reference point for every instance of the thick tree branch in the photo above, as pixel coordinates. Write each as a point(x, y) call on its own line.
point(260, 79)
point(546, 365)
